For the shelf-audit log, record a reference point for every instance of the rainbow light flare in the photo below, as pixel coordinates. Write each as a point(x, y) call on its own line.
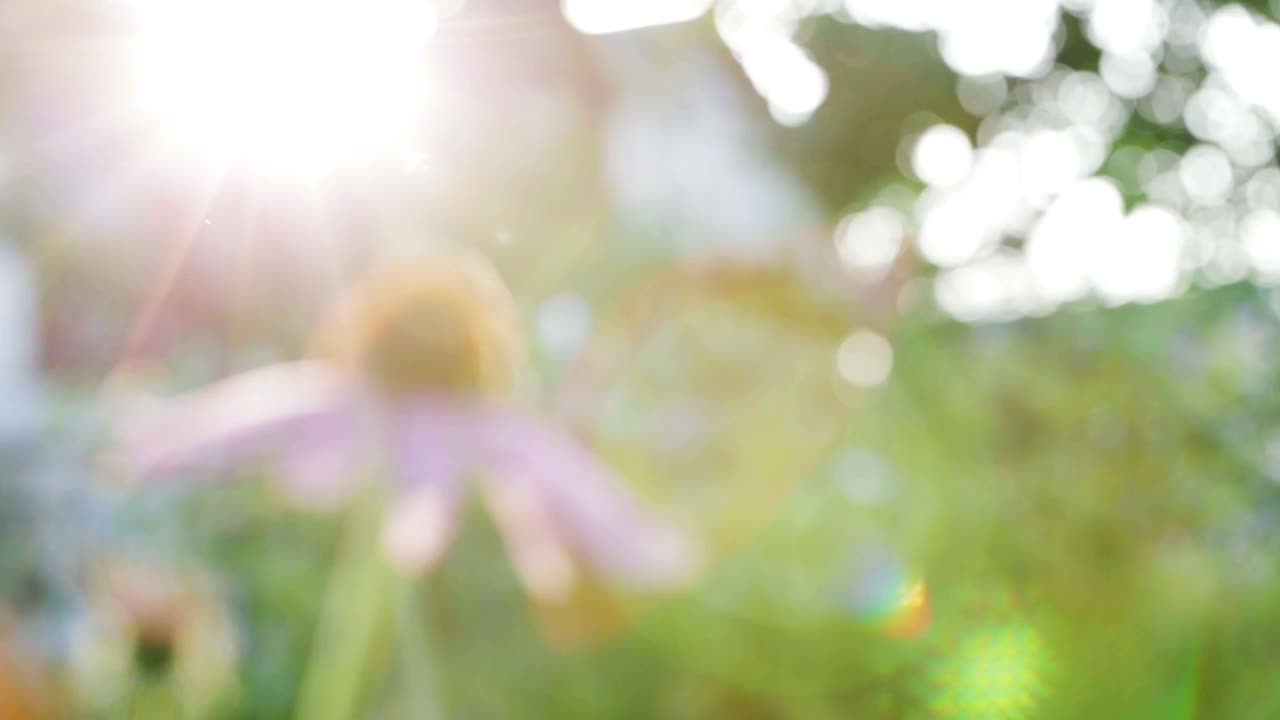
point(887, 597)
point(997, 674)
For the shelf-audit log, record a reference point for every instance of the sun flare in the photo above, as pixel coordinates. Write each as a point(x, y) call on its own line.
point(281, 87)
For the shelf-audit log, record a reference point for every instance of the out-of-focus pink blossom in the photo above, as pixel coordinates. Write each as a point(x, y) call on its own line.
point(325, 429)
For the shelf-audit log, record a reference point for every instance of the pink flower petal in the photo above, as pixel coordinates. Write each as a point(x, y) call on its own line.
point(528, 529)
point(420, 527)
point(323, 469)
point(432, 448)
point(589, 503)
point(281, 407)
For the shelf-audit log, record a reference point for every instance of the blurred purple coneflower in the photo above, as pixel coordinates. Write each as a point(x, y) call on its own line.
point(410, 380)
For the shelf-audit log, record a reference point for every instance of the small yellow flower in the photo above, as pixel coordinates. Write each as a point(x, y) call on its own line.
point(151, 625)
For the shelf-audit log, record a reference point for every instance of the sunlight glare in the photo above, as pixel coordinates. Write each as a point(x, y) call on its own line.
point(870, 241)
point(281, 87)
point(942, 155)
point(598, 17)
point(865, 359)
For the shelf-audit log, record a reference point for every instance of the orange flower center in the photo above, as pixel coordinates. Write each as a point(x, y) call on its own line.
point(426, 325)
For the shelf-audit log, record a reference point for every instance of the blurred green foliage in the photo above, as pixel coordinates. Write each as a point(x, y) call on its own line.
point(1088, 501)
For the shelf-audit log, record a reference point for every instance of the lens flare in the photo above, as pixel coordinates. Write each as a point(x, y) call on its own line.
point(281, 86)
point(888, 598)
point(998, 674)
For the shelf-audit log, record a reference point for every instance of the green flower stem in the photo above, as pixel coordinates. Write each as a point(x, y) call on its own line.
point(353, 622)
point(420, 685)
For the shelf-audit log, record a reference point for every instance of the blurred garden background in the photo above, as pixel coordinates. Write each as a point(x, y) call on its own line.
point(946, 330)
